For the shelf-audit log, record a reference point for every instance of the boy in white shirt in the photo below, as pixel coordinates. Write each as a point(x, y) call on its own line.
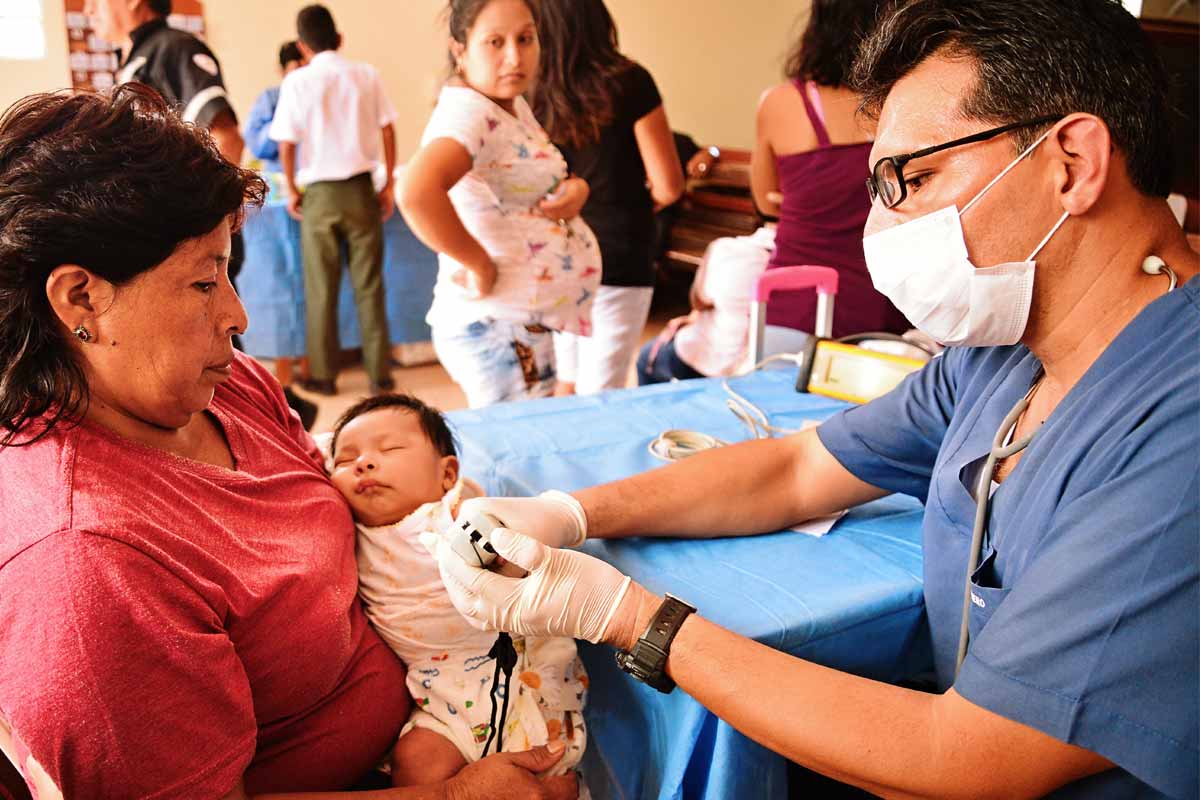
point(393, 458)
point(337, 110)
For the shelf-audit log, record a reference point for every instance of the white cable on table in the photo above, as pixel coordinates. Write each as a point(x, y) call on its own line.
point(675, 444)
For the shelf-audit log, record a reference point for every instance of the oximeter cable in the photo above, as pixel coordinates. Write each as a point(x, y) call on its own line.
point(506, 658)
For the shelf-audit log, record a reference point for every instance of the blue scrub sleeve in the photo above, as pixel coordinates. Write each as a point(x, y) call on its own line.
point(257, 140)
point(1097, 642)
point(893, 441)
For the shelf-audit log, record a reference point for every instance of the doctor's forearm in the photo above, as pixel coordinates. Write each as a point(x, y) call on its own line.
point(848, 728)
point(752, 487)
point(894, 742)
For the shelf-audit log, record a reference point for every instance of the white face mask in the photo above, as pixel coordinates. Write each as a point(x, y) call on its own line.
point(922, 266)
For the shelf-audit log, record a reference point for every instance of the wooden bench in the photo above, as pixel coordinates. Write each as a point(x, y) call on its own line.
point(717, 205)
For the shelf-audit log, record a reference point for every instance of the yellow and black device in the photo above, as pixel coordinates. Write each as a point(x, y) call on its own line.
point(845, 371)
point(837, 368)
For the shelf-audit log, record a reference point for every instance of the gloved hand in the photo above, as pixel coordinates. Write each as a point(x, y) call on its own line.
point(553, 518)
point(566, 593)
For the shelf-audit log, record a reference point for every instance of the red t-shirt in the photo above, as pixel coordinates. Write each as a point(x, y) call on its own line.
point(170, 626)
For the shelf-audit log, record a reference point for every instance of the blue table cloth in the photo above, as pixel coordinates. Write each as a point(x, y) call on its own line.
point(272, 284)
point(850, 600)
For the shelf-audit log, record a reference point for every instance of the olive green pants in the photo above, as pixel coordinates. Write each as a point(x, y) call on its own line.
point(336, 213)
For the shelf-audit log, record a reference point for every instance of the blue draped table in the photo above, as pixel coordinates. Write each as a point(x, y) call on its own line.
point(272, 284)
point(850, 600)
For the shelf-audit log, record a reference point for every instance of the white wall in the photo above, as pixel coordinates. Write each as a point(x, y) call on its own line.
point(19, 78)
point(711, 58)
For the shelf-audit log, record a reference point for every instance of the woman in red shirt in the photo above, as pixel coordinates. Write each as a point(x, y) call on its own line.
point(177, 574)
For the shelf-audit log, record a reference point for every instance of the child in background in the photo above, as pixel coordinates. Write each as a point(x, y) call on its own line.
point(493, 197)
point(394, 460)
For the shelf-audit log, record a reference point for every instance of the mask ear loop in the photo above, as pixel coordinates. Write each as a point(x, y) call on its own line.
point(1006, 170)
point(1053, 231)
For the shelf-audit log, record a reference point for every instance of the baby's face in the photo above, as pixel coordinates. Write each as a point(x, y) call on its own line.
point(386, 467)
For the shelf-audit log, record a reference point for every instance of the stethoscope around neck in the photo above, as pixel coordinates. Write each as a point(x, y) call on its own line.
point(1004, 446)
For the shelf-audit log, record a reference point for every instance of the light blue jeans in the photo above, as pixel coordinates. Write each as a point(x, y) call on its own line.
point(494, 360)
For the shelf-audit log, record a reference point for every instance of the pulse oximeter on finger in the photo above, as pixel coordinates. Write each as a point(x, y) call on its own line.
point(470, 538)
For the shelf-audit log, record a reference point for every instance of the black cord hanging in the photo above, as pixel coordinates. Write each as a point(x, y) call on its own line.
point(506, 659)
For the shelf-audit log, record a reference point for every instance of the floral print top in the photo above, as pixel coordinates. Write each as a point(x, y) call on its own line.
point(548, 272)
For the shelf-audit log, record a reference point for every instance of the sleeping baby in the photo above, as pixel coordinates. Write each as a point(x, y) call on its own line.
point(394, 459)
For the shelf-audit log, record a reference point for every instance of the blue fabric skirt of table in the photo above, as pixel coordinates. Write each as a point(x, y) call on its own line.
point(850, 600)
point(272, 285)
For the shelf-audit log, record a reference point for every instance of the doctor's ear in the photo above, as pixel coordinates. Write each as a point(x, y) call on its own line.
point(1083, 151)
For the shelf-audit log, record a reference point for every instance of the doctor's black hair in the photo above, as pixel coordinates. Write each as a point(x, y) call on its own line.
point(433, 424)
point(1035, 58)
point(113, 183)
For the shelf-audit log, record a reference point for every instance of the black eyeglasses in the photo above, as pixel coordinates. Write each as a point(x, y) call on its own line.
point(887, 178)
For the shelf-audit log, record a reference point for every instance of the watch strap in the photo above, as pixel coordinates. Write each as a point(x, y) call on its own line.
point(647, 660)
point(666, 622)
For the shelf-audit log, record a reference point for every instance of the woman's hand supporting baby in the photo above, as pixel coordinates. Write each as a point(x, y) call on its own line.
point(514, 775)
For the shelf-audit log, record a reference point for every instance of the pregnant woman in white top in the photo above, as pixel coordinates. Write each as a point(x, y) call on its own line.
point(492, 195)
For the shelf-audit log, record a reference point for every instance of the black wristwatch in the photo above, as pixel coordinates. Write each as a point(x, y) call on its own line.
point(647, 661)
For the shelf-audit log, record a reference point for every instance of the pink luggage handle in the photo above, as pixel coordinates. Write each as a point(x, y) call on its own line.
point(823, 279)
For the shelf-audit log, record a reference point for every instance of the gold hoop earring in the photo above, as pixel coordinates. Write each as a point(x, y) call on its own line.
point(82, 333)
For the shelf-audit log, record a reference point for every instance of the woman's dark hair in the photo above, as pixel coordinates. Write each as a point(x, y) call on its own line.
point(573, 97)
point(826, 51)
point(461, 16)
point(289, 52)
point(112, 183)
point(314, 26)
point(1035, 58)
point(433, 424)
point(160, 7)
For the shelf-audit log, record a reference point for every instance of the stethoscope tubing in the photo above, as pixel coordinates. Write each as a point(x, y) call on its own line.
point(983, 487)
point(1153, 265)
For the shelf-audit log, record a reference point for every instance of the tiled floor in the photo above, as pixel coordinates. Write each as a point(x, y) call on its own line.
point(430, 382)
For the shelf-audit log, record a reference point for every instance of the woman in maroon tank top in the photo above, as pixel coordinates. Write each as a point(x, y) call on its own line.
point(810, 161)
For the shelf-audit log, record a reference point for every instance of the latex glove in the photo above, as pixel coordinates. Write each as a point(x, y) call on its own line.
point(566, 593)
point(553, 518)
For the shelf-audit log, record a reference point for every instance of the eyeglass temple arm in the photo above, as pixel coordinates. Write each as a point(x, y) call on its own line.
point(975, 137)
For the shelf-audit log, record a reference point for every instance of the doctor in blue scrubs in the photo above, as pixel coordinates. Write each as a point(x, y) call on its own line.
point(1055, 444)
